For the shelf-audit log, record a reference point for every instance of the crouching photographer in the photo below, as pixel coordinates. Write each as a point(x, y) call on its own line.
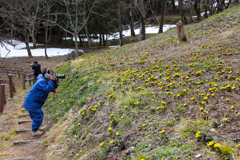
point(36, 97)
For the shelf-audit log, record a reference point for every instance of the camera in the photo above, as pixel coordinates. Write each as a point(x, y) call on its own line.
point(30, 65)
point(59, 76)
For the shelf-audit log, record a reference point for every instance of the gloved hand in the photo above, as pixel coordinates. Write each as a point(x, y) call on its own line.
point(53, 78)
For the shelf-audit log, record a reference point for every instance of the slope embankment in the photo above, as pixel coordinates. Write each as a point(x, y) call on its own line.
point(155, 99)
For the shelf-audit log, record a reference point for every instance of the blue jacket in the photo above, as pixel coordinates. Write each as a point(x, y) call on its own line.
point(38, 94)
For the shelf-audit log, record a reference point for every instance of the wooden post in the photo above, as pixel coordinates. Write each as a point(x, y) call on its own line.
point(7, 71)
point(23, 80)
point(10, 85)
point(14, 89)
point(4, 96)
point(1, 97)
point(18, 73)
point(33, 79)
point(29, 77)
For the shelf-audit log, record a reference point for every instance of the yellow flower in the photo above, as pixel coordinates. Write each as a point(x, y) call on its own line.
point(109, 128)
point(185, 104)
point(80, 151)
point(123, 115)
point(77, 154)
point(76, 136)
point(117, 133)
point(232, 107)
point(125, 107)
point(111, 141)
point(238, 144)
point(162, 131)
point(217, 145)
point(132, 111)
point(201, 108)
point(67, 139)
point(210, 143)
point(79, 123)
point(227, 99)
point(143, 125)
point(198, 134)
point(101, 144)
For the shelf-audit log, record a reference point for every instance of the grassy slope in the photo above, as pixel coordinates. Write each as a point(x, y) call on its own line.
point(116, 103)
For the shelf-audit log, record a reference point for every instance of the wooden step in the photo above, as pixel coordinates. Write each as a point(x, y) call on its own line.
point(23, 130)
point(23, 115)
point(23, 110)
point(22, 142)
point(23, 158)
point(24, 121)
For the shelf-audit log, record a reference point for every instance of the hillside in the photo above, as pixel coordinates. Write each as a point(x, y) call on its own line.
point(155, 99)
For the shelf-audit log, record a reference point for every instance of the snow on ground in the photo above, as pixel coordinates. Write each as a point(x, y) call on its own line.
point(202, 14)
point(149, 30)
point(18, 49)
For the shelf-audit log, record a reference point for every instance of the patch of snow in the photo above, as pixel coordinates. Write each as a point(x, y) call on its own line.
point(149, 30)
point(18, 51)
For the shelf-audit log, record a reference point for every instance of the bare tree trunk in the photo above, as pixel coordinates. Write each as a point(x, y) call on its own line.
point(236, 2)
point(104, 43)
point(100, 38)
point(33, 37)
point(226, 6)
point(120, 25)
point(191, 7)
point(206, 9)
point(27, 45)
point(76, 44)
point(46, 41)
point(11, 34)
point(197, 9)
point(162, 16)
point(173, 5)
point(50, 35)
point(59, 35)
point(219, 6)
point(72, 38)
point(89, 42)
point(142, 30)
point(132, 22)
point(80, 40)
point(183, 17)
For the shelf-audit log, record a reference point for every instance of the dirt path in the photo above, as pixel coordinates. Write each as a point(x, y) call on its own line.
point(13, 113)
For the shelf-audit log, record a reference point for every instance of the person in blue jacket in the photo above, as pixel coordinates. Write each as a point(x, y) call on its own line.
point(36, 97)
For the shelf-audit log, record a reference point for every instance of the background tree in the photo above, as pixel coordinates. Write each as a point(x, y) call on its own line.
point(162, 16)
point(74, 13)
point(24, 17)
point(142, 7)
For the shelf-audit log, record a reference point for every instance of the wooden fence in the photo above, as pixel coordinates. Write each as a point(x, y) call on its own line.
point(12, 88)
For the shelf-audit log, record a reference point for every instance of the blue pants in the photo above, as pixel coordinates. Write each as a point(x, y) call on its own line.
point(37, 117)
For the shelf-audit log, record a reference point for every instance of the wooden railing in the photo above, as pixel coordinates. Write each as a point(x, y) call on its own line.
point(11, 71)
point(12, 88)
